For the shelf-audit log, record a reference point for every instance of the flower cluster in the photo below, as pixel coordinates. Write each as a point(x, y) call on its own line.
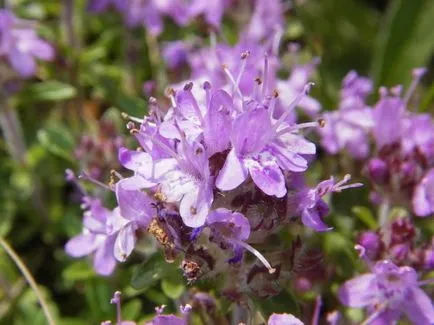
point(212, 175)
point(401, 166)
point(398, 242)
point(20, 46)
point(388, 292)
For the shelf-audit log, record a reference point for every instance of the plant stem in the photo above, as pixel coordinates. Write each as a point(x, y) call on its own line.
point(12, 133)
point(28, 276)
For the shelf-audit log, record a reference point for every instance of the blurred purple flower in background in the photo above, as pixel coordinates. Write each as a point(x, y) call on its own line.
point(388, 292)
point(20, 45)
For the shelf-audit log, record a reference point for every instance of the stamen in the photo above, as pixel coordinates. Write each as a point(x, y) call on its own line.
point(255, 252)
point(265, 76)
point(117, 300)
point(159, 310)
point(297, 127)
point(170, 92)
point(162, 145)
point(185, 309)
point(86, 176)
point(417, 75)
point(374, 315)
point(70, 177)
point(360, 250)
point(339, 186)
point(318, 305)
point(244, 57)
point(207, 88)
point(294, 104)
point(156, 109)
point(125, 116)
point(232, 80)
point(196, 108)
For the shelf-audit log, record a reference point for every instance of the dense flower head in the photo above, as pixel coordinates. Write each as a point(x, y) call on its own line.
point(216, 170)
point(388, 292)
point(20, 45)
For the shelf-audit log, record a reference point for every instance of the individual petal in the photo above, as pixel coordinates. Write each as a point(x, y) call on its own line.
point(137, 182)
point(22, 62)
point(269, 178)
point(386, 317)
point(312, 218)
point(284, 319)
point(140, 162)
point(194, 208)
point(232, 174)
point(81, 245)
point(251, 131)
point(104, 261)
point(40, 49)
point(418, 307)
point(168, 320)
point(134, 204)
point(218, 122)
point(237, 219)
point(387, 116)
point(423, 197)
point(358, 292)
point(125, 241)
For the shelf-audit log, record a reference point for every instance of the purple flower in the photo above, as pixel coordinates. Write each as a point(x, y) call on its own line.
point(266, 19)
point(288, 89)
point(100, 227)
point(389, 291)
point(284, 319)
point(137, 211)
point(372, 244)
point(263, 149)
point(229, 227)
point(349, 127)
point(175, 54)
point(212, 10)
point(423, 197)
point(20, 44)
point(388, 114)
point(310, 205)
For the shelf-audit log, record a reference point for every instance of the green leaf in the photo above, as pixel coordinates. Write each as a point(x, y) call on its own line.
point(132, 309)
point(172, 289)
point(51, 90)
point(131, 105)
point(80, 270)
point(57, 140)
point(148, 273)
point(365, 215)
point(406, 41)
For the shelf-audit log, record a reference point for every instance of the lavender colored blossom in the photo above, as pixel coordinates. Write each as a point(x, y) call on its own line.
point(20, 45)
point(266, 19)
point(100, 228)
point(423, 198)
point(263, 148)
point(348, 128)
point(137, 209)
point(175, 54)
point(388, 292)
point(310, 205)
